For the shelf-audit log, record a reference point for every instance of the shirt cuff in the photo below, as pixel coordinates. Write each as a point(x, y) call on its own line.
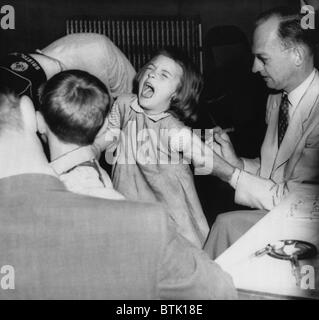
point(234, 178)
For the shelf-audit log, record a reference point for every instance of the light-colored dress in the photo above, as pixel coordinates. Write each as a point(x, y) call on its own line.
point(149, 165)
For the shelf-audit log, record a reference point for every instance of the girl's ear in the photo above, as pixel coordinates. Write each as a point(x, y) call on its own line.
point(28, 114)
point(173, 96)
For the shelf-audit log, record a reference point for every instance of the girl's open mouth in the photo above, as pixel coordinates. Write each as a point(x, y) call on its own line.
point(147, 90)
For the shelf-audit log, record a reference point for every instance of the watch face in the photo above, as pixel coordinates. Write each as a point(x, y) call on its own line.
point(287, 249)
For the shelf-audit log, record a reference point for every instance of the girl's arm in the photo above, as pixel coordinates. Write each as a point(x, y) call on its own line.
point(193, 149)
point(108, 136)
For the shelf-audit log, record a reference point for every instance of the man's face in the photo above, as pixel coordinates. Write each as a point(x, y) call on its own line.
point(273, 61)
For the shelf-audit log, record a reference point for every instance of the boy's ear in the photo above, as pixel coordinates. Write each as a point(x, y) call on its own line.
point(28, 114)
point(42, 127)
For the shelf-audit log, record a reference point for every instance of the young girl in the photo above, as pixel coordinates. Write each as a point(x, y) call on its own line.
point(153, 145)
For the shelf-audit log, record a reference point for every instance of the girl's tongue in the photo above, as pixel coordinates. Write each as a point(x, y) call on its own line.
point(147, 90)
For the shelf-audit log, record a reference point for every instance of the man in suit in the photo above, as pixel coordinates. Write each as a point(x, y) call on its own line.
point(290, 151)
point(61, 245)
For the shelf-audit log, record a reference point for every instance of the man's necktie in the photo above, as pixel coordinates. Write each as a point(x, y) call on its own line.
point(283, 119)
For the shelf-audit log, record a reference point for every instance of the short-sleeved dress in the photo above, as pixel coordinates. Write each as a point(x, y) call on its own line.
point(147, 169)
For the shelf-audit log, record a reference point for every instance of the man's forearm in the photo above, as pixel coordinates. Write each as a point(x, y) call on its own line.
point(256, 192)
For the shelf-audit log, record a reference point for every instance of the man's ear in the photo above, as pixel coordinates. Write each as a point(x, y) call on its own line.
point(28, 113)
point(299, 55)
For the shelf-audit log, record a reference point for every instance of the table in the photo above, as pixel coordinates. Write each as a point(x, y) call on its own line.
point(296, 217)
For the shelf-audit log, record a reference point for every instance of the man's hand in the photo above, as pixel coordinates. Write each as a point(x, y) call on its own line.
point(220, 142)
point(222, 169)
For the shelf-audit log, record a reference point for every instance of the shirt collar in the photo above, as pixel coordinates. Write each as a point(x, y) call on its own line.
point(295, 95)
point(155, 117)
point(72, 159)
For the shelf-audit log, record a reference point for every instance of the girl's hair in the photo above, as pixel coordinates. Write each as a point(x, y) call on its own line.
point(183, 105)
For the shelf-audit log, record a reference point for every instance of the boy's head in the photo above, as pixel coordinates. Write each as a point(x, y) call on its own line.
point(73, 105)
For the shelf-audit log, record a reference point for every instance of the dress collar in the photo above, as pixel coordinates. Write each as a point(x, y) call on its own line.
point(155, 117)
point(72, 159)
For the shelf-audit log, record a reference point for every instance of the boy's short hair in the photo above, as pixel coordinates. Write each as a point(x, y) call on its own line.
point(74, 105)
point(10, 114)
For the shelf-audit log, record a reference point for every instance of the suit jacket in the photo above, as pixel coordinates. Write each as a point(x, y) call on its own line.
point(265, 181)
point(67, 246)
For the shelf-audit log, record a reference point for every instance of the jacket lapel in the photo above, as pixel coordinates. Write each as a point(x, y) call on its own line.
point(270, 145)
point(298, 123)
